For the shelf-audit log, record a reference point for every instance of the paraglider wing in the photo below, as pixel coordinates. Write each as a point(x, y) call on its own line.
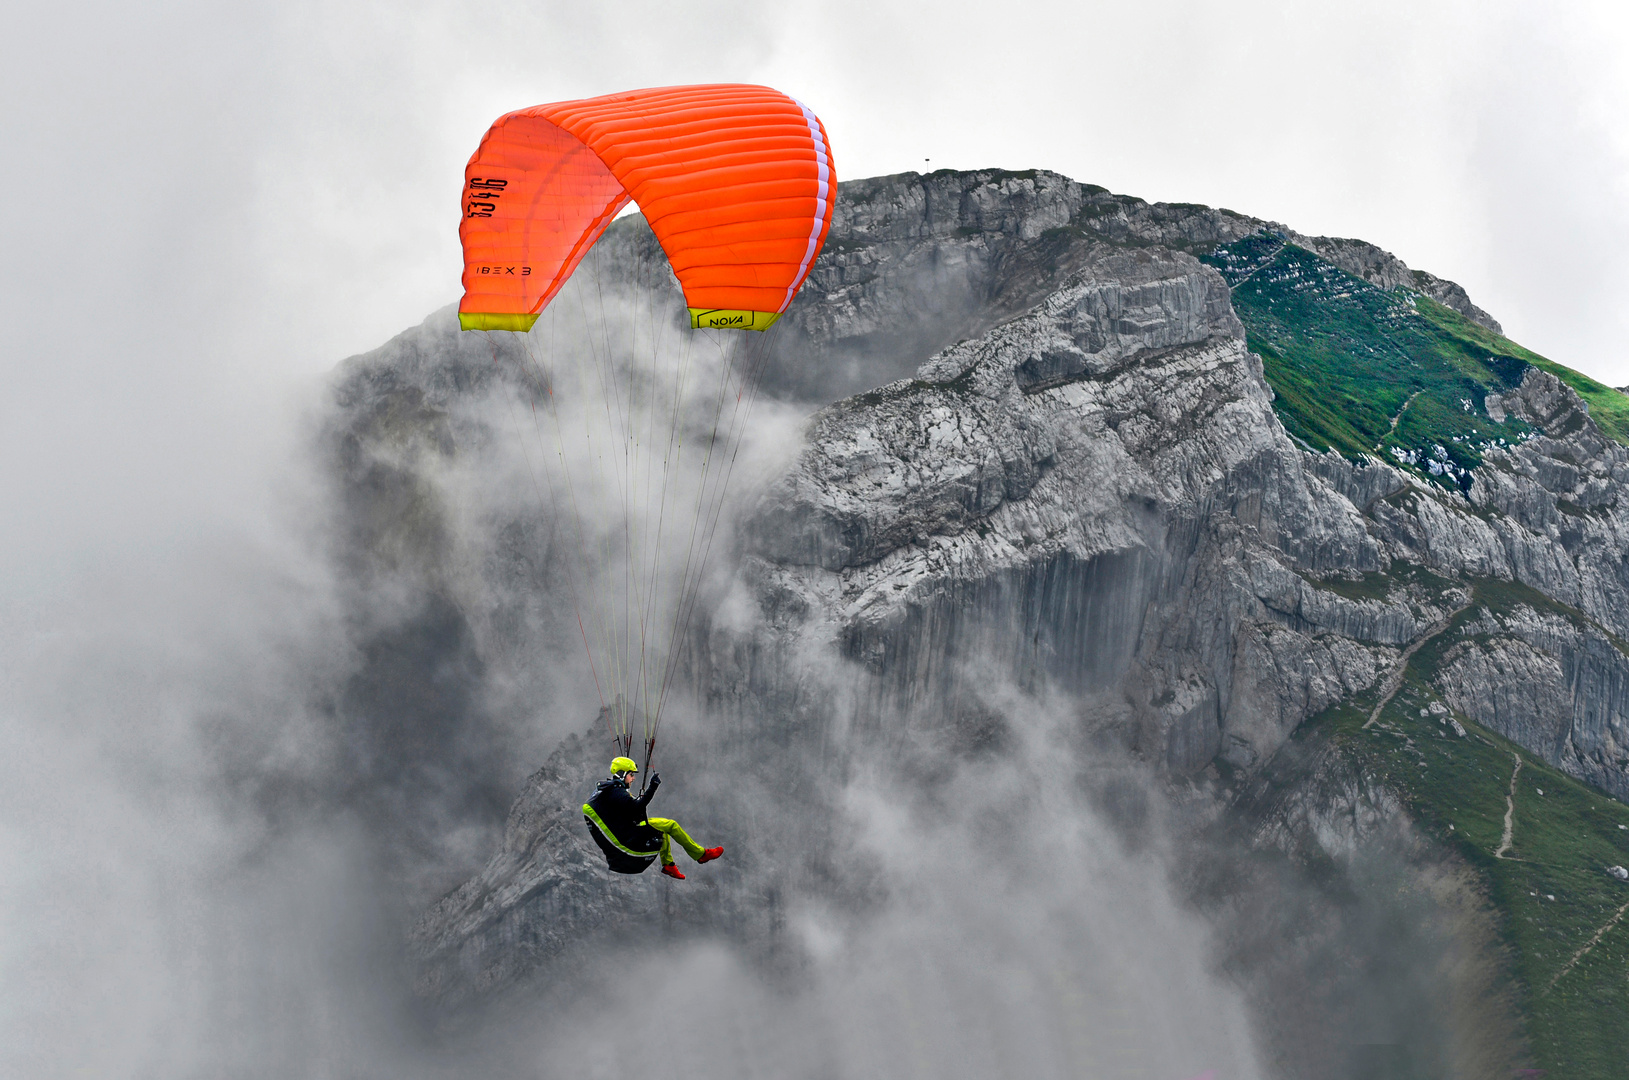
point(735, 181)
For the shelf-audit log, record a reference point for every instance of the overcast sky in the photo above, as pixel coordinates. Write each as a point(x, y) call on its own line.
point(204, 201)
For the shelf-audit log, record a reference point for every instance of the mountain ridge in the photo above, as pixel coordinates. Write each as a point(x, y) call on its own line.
point(1050, 462)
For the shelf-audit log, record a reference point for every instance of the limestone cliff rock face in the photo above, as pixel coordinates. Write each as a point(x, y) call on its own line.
point(1549, 512)
point(1041, 465)
point(1558, 503)
point(915, 263)
point(1551, 684)
point(1095, 492)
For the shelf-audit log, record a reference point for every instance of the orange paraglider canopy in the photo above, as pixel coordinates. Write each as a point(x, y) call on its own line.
point(735, 180)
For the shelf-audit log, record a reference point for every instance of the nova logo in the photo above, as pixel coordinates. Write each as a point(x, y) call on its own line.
point(731, 319)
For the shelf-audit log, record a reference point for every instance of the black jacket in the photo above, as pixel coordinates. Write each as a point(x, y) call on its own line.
point(632, 845)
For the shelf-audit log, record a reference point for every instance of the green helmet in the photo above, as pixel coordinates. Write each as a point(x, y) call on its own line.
point(622, 765)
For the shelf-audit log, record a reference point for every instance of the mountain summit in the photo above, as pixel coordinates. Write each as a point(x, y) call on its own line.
point(1268, 538)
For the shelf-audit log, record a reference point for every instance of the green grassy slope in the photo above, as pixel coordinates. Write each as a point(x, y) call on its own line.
point(1363, 370)
point(1551, 885)
point(1608, 407)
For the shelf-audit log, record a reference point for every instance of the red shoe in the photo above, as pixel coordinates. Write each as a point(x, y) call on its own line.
point(672, 871)
point(710, 854)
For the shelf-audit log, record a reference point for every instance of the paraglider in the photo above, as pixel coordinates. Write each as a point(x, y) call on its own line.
point(630, 839)
point(736, 185)
point(735, 181)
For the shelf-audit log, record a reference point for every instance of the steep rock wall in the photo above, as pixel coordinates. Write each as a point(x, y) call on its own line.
point(1059, 477)
point(1095, 493)
point(1558, 686)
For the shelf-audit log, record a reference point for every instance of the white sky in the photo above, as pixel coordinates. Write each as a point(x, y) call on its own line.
point(203, 201)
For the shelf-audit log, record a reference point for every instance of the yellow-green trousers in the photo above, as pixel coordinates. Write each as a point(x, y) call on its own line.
point(671, 830)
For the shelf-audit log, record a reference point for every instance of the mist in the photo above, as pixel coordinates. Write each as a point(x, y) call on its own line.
point(241, 771)
point(242, 775)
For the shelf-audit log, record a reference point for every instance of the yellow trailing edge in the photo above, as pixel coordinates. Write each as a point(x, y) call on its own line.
point(729, 319)
point(715, 318)
point(486, 320)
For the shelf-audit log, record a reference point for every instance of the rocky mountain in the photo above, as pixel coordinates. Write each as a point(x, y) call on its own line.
point(1074, 475)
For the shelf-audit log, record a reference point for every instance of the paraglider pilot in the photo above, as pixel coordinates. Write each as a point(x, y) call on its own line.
point(630, 839)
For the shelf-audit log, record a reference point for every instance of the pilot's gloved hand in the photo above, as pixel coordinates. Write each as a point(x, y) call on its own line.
point(655, 781)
